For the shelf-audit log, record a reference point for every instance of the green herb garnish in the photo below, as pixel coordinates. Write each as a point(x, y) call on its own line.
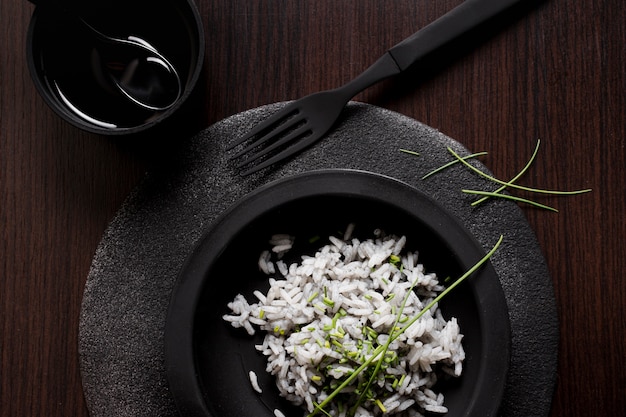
point(487, 194)
point(456, 161)
point(503, 184)
point(515, 178)
point(511, 184)
point(374, 363)
point(409, 152)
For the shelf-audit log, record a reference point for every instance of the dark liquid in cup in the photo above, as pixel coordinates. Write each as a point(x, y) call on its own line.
point(73, 71)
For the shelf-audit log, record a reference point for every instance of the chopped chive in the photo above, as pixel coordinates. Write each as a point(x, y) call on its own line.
point(380, 405)
point(409, 152)
point(261, 314)
point(381, 351)
point(312, 297)
point(383, 348)
point(371, 332)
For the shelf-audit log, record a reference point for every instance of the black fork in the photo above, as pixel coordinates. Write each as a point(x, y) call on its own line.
point(305, 121)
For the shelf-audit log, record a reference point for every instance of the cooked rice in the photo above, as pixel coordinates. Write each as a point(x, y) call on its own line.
point(254, 382)
point(322, 316)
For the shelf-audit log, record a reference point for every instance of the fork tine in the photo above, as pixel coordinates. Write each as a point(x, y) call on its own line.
point(298, 132)
point(284, 128)
point(281, 114)
point(285, 153)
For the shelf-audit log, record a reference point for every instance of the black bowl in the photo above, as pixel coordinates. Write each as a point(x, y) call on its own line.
point(60, 58)
point(208, 361)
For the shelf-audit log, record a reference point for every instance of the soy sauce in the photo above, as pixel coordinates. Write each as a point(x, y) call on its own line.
point(72, 68)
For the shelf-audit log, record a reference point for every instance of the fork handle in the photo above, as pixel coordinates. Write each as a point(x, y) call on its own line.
point(384, 67)
point(448, 27)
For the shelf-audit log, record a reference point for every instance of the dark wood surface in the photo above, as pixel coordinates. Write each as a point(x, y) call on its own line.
point(553, 70)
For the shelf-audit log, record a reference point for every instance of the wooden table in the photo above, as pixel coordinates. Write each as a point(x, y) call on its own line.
point(554, 70)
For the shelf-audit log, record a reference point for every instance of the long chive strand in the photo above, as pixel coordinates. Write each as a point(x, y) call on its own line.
point(487, 194)
point(515, 178)
point(519, 187)
point(393, 336)
point(437, 299)
point(449, 164)
point(385, 349)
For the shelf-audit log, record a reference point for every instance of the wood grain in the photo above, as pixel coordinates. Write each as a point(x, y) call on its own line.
point(551, 70)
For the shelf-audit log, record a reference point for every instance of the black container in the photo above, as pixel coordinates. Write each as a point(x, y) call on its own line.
point(61, 57)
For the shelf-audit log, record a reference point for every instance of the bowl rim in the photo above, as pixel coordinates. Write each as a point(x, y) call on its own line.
point(180, 359)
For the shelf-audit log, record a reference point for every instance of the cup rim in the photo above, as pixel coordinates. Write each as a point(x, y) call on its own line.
point(53, 102)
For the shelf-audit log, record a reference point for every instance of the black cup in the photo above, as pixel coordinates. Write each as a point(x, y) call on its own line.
point(60, 58)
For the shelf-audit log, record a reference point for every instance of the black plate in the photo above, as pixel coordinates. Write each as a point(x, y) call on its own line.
point(208, 361)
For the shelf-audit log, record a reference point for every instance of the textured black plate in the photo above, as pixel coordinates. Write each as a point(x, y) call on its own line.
point(141, 255)
point(207, 361)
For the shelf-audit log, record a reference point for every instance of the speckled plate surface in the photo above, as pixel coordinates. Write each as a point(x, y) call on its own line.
point(144, 248)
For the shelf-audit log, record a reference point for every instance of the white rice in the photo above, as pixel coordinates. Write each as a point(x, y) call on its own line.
point(254, 382)
point(321, 317)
